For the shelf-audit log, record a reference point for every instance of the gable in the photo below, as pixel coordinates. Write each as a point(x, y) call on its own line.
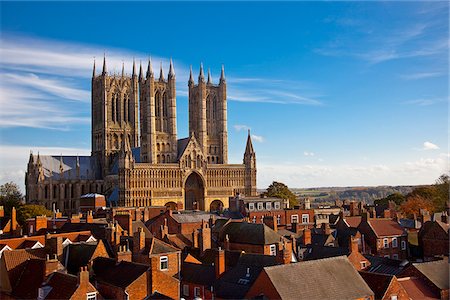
point(192, 155)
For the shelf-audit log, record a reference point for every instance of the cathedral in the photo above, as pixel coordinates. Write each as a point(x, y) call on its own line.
point(137, 160)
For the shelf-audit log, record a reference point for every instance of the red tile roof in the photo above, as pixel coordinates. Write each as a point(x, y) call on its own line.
point(417, 288)
point(385, 227)
point(353, 221)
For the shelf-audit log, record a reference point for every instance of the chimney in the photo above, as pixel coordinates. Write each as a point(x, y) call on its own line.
point(424, 216)
point(75, 218)
point(284, 255)
point(444, 217)
point(164, 229)
point(58, 214)
point(352, 208)
point(294, 243)
point(295, 227)
point(123, 253)
point(55, 246)
point(125, 220)
point(51, 265)
point(271, 221)
point(227, 243)
point(306, 236)
point(353, 244)
point(89, 217)
point(387, 213)
point(326, 228)
point(138, 241)
point(40, 222)
point(219, 262)
point(13, 220)
point(365, 216)
point(111, 236)
point(83, 277)
point(205, 237)
point(373, 213)
point(194, 239)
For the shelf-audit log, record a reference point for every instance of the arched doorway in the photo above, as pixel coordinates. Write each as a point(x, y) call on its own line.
point(216, 205)
point(193, 192)
point(171, 205)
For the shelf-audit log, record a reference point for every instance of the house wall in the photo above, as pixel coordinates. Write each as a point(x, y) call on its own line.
point(263, 286)
point(434, 241)
point(395, 288)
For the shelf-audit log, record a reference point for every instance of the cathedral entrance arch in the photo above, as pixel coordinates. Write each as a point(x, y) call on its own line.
point(194, 192)
point(171, 205)
point(216, 205)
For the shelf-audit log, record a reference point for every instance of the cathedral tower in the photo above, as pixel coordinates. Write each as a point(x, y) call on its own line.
point(250, 168)
point(114, 114)
point(158, 116)
point(208, 116)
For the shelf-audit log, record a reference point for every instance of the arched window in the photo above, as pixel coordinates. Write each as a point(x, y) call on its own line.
point(113, 108)
point(125, 108)
point(46, 192)
point(118, 119)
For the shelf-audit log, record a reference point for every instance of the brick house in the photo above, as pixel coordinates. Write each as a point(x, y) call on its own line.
point(329, 278)
point(434, 275)
point(433, 237)
point(385, 287)
point(66, 286)
point(383, 237)
point(183, 222)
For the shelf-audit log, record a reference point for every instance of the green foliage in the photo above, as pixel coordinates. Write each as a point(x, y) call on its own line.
point(27, 211)
point(10, 196)
point(398, 198)
point(280, 190)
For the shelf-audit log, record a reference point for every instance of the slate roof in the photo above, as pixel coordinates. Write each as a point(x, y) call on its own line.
point(200, 274)
point(106, 270)
point(436, 272)
point(377, 282)
point(250, 233)
point(181, 145)
point(235, 283)
point(318, 252)
point(329, 278)
point(78, 255)
point(386, 227)
point(192, 216)
point(30, 279)
point(89, 167)
point(15, 261)
point(63, 285)
point(385, 265)
point(156, 246)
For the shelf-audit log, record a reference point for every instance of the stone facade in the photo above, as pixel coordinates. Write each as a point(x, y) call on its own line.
point(137, 164)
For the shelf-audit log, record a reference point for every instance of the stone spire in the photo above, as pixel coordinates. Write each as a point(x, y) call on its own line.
point(104, 65)
point(249, 146)
point(78, 167)
point(93, 70)
point(140, 70)
point(161, 73)
point(191, 77)
point(134, 69)
point(149, 68)
point(201, 77)
point(171, 70)
point(61, 165)
point(123, 69)
point(31, 157)
point(209, 76)
point(222, 74)
point(38, 161)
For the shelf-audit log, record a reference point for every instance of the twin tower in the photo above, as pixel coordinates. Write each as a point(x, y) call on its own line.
point(143, 107)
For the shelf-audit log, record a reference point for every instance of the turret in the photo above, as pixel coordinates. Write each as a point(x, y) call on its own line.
point(209, 77)
point(191, 77)
point(123, 69)
point(149, 69)
point(161, 73)
point(104, 66)
point(201, 77)
point(171, 71)
point(222, 75)
point(78, 167)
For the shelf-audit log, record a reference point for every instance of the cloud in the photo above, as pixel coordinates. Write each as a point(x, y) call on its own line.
point(430, 146)
point(422, 75)
point(238, 127)
point(306, 153)
point(258, 138)
point(425, 101)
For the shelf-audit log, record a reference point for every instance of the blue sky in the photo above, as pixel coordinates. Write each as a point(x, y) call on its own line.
point(335, 93)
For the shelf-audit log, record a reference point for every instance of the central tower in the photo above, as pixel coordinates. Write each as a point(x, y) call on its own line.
point(158, 116)
point(208, 116)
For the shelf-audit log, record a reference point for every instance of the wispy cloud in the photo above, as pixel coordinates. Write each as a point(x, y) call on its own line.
point(306, 153)
point(422, 75)
point(430, 146)
point(239, 127)
point(258, 138)
point(425, 101)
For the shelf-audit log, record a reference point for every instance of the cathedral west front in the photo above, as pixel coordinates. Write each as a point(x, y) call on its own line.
point(137, 158)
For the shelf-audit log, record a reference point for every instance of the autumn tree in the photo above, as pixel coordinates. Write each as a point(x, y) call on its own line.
point(10, 196)
point(414, 204)
point(280, 190)
point(28, 211)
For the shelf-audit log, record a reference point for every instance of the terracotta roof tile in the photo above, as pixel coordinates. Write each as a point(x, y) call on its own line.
point(63, 286)
point(353, 221)
point(107, 270)
point(385, 227)
point(417, 288)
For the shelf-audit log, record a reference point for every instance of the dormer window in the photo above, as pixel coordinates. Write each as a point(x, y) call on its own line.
point(260, 206)
point(251, 206)
point(163, 263)
point(273, 250)
point(277, 205)
point(91, 296)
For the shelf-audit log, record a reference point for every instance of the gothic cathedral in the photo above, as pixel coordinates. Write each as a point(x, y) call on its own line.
point(137, 159)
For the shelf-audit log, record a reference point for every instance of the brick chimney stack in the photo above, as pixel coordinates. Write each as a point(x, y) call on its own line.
point(219, 262)
point(123, 253)
point(55, 246)
point(138, 241)
point(13, 220)
point(306, 236)
point(444, 217)
point(271, 221)
point(89, 217)
point(353, 244)
point(83, 277)
point(205, 237)
point(51, 264)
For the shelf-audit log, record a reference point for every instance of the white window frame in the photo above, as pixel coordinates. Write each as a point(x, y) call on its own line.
point(268, 205)
point(251, 206)
point(196, 292)
point(394, 297)
point(403, 243)
point(386, 243)
point(394, 242)
point(273, 250)
point(387, 256)
point(277, 205)
point(305, 216)
point(185, 289)
point(294, 217)
point(363, 264)
point(278, 220)
point(254, 219)
point(162, 260)
point(395, 256)
point(260, 206)
point(91, 296)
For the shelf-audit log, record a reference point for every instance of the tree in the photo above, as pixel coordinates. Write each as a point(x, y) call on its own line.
point(398, 199)
point(415, 203)
point(280, 190)
point(27, 211)
point(10, 196)
point(442, 186)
